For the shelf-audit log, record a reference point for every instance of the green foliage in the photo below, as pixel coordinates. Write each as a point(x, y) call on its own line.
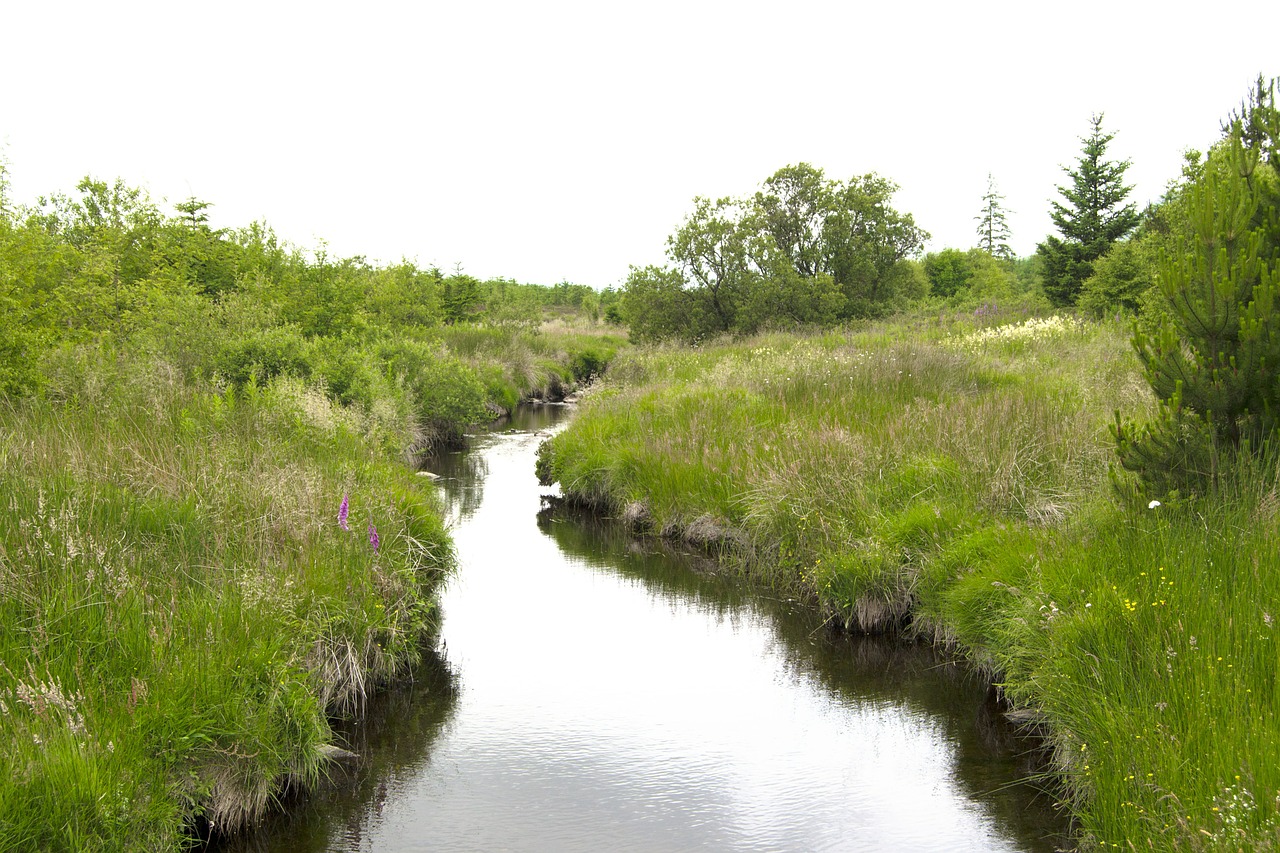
point(1093, 218)
point(166, 651)
point(445, 394)
point(405, 296)
point(1211, 347)
point(656, 306)
point(948, 271)
point(4, 188)
point(722, 256)
point(1121, 278)
point(1257, 124)
point(17, 342)
point(954, 478)
point(1215, 362)
point(804, 250)
point(794, 204)
point(263, 355)
point(460, 298)
point(181, 411)
point(971, 278)
point(865, 243)
point(588, 361)
point(788, 300)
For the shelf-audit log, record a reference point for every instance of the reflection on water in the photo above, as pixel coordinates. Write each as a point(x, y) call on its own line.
point(462, 476)
point(600, 694)
point(914, 679)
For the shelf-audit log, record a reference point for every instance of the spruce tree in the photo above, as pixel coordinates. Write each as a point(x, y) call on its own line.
point(1093, 218)
point(993, 225)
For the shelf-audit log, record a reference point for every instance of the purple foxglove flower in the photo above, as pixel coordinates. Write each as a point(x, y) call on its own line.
point(342, 513)
point(373, 536)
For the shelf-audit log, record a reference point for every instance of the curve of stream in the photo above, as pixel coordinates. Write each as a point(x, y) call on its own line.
point(593, 692)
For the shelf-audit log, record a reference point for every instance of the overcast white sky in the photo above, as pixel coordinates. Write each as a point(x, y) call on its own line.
point(559, 140)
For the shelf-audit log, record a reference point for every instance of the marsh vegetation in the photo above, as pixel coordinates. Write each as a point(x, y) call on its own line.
point(1094, 531)
point(215, 543)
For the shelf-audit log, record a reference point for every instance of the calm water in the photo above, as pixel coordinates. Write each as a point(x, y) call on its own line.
point(594, 693)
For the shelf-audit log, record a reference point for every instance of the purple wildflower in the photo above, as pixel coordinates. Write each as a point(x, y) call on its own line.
point(373, 536)
point(342, 513)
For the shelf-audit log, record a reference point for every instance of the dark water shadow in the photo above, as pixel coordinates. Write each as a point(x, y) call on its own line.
point(393, 741)
point(996, 763)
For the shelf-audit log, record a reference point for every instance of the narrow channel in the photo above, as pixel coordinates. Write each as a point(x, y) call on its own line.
point(593, 692)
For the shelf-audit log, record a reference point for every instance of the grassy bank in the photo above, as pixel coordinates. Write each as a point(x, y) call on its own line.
point(180, 607)
point(181, 610)
point(951, 480)
point(183, 412)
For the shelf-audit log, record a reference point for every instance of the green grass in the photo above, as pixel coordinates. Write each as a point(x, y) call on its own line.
point(179, 610)
point(950, 481)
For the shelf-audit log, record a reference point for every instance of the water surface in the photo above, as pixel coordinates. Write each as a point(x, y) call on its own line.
point(593, 693)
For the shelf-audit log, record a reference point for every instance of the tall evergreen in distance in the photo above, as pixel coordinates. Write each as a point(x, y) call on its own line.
point(1092, 219)
point(993, 225)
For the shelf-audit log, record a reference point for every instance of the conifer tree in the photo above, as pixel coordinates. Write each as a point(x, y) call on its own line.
point(1093, 218)
point(993, 225)
point(1215, 362)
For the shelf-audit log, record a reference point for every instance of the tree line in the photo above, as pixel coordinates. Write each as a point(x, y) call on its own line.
point(105, 262)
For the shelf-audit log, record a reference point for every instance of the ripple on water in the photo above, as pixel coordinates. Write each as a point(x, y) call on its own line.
point(609, 698)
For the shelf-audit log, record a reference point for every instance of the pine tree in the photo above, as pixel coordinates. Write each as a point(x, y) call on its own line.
point(1093, 218)
point(993, 226)
point(1215, 363)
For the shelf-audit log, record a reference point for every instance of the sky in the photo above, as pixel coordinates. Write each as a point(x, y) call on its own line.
point(561, 141)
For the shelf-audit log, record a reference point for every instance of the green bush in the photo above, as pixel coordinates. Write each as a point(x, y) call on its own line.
point(263, 355)
point(445, 394)
point(1120, 281)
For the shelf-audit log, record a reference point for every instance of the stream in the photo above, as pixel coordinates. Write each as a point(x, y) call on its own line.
point(596, 692)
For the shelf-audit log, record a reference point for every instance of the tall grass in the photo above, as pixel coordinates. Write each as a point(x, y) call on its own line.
point(179, 608)
point(948, 477)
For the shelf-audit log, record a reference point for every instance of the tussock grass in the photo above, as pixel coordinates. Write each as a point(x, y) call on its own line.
point(179, 609)
point(947, 476)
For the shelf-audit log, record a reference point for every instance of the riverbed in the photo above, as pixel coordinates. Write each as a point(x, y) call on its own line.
point(595, 692)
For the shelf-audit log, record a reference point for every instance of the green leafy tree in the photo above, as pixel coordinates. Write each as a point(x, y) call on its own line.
point(803, 250)
point(403, 295)
point(969, 277)
point(656, 305)
point(199, 255)
point(4, 186)
point(948, 271)
point(17, 337)
point(719, 254)
point(323, 297)
point(784, 298)
point(794, 205)
point(993, 224)
point(867, 244)
point(1092, 219)
point(847, 230)
point(1257, 125)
